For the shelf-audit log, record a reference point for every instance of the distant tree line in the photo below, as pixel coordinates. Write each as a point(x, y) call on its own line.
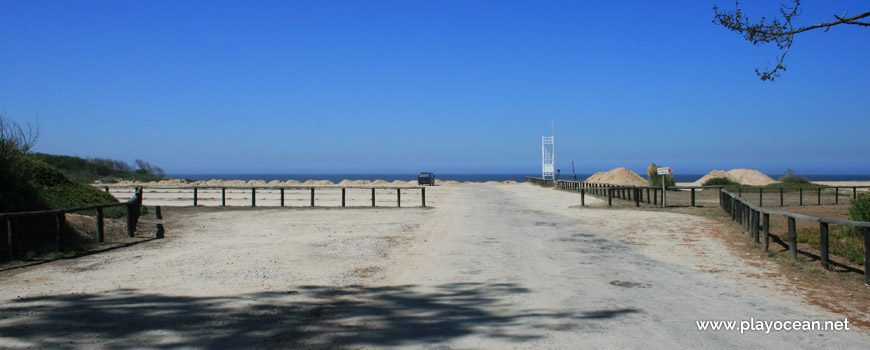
point(98, 166)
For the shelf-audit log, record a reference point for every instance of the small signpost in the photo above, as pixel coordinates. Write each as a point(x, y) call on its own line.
point(664, 171)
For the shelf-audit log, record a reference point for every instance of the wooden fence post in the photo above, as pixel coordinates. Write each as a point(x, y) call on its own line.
point(823, 244)
point(655, 196)
point(792, 239)
point(342, 196)
point(582, 196)
point(765, 233)
point(836, 195)
point(398, 197)
point(253, 196)
point(780, 197)
point(761, 197)
point(647, 196)
point(866, 255)
point(819, 192)
point(423, 195)
point(131, 226)
point(373, 197)
point(854, 193)
point(801, 190)
point(223, 196)
point(636, 197)
point(609, 197)
point(693, 196)
point(195, 194)
point(282, 197)
point(312, 196)
point(747, 218)
point(755, 218)
point(101, 228)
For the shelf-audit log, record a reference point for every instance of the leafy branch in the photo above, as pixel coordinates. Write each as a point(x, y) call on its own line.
point(780, 31)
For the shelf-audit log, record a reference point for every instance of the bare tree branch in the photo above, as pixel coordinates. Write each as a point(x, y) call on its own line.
point(779, 31)
point(15, 138)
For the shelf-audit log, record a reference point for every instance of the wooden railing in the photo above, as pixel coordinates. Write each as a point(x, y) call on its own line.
point(756, 221)
point(753, 218)
point(311, 190)
point(133, 206)
point(819, 193)
point(539, 181)
point(652, 195)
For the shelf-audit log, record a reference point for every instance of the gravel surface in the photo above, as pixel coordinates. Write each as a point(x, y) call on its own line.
point(507, 266)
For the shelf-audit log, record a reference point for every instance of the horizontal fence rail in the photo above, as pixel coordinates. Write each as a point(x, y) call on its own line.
point(134, 210)
point(651, 195)
point(756, 220)
point(800, 196)
point(285, 196)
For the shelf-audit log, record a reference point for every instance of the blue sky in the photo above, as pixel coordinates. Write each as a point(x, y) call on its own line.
point(444, 86)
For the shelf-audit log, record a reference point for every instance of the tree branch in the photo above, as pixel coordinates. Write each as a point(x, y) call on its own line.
point(778, 31)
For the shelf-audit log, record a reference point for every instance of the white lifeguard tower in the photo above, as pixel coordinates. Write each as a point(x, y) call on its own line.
point(548, 155)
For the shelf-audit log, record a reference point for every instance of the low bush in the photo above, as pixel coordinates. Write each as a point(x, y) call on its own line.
point(719, 181)
point(790, 178)
point(655, 179)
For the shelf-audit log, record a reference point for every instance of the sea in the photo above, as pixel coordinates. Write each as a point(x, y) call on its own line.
point(454, 177)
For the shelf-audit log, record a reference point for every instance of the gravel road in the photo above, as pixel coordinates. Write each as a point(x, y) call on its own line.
point(507, 266)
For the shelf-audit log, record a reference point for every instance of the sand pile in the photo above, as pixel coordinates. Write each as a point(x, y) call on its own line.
point(618, 176)
point(742, 176)
point(750, 177)
point(715, 174)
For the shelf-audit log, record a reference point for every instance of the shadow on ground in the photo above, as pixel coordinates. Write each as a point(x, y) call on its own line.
point(310, 317)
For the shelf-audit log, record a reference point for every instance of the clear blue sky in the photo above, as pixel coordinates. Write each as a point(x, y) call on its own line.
point(444, 86)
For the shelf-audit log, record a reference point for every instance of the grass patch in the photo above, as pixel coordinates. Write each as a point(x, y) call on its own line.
point(841, 242)
point(58, 190)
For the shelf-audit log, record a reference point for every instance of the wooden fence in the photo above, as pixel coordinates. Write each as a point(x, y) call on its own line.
point(652, 195)
point(756, 221)
point(133, 205)
point(804, 196)
point(753, 218)
point(282, 201)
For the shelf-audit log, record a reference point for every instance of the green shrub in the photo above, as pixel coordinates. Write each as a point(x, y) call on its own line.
point(791, 178)
point(860, 210)
point(719, 181)
point(655, 179)
point(848, 241)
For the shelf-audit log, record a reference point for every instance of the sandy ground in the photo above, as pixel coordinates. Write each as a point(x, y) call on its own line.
point(506, 266)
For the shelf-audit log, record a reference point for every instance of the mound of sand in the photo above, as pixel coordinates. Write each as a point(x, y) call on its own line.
point(311, 182)
point(750, 177)
point(715, 174)
point(618, 176)
point(742, 176)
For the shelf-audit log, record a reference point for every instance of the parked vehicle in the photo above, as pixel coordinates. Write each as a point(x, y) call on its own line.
point(426, 179)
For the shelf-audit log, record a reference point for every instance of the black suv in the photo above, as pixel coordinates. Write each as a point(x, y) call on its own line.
point(426, 179)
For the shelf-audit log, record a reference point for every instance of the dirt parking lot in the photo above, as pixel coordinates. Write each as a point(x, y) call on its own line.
point(503, 266)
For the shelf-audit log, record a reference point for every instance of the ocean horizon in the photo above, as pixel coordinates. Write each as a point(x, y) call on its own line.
point(473, 177)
